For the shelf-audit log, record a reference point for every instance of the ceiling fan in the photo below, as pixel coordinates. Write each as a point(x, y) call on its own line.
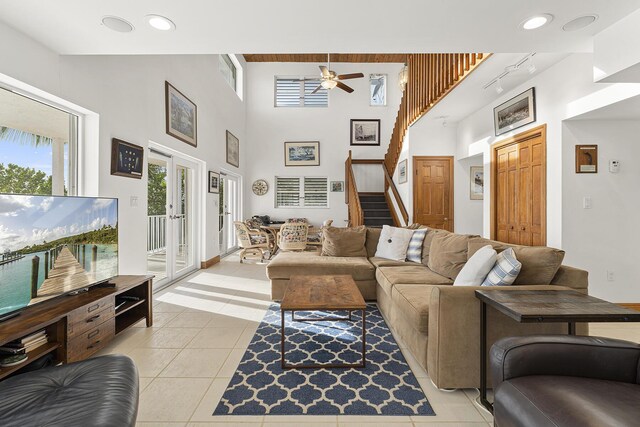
point(329, 78)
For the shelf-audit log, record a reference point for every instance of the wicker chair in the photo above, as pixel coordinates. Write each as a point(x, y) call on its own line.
point(293, 236)
point(252, 241)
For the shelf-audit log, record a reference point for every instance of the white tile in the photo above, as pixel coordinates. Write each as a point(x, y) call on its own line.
point(196, 363)
point(171, 399)
point(216, 338)
point(155, 424)
point(231, 364)
point(171, 338)
point(159, 320)
point(151, 361)
point(189, 319)
point(377, 424)
point(449, 424)
point(226, 424)
point(365, 419)
point(315, 420)
point(166, 307)
point(144, 382)
point(452, 412)
point(206, 406)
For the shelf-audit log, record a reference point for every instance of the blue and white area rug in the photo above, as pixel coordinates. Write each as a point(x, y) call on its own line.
point(385, 387)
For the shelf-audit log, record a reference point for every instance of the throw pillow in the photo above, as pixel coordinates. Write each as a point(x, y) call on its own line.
point(505, 271)
point(477, 268)
point(344, 242)
point(393, 243)
point(414, 251)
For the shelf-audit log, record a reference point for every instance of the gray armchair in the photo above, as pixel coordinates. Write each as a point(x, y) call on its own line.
point(562, 380)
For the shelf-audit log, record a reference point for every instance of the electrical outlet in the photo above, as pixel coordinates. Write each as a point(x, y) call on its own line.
point(610, 276)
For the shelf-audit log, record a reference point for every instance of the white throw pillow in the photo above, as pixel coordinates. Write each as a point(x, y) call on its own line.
point(505, 271)
point(393, 243)
point(477, 267)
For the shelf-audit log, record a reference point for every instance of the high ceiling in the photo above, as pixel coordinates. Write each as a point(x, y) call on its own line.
point(300, 26)
point(322, 57)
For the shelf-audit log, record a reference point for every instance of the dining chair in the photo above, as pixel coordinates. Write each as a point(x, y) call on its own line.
point(293, 236)
point(252, 241)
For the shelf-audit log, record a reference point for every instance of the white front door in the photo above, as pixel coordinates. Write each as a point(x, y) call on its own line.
point(230, 211)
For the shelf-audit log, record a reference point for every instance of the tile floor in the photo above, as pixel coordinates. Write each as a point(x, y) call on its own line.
point(202, 326)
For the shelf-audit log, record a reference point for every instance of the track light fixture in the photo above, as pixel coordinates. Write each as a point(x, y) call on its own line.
point(497, 80)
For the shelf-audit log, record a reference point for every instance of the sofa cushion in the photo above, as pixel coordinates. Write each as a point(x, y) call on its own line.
point(287, 264)
point(426, 243)
point(448, 253)
point(413, 302)
point(344, 242)
point(384, 262)
point(388, 277)
point(393, 243)
point(373, 235)
point(539, 263)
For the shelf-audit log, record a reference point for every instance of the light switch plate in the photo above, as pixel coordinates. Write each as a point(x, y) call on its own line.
point(586, 202)
point(133, 201)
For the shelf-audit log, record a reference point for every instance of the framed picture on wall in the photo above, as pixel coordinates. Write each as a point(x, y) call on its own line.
point(233, 150)
point(337, 186)
point(302, 153)
point(181, 115)
point(126, 159)
point(586, 159)
point(516, 112)
point(214, 182)
point(476, 178)
point(377, 90)
point(402, 172)
point(365, 131)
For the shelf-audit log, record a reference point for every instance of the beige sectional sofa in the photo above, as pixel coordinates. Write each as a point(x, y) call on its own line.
point(439, 323)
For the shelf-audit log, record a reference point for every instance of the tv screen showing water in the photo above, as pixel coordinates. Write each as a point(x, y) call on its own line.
point(52, 245)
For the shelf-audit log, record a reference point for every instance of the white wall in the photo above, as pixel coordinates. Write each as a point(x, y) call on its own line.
point(269, 127)
point(605, 237)
point(617, 51)
point(128, 94)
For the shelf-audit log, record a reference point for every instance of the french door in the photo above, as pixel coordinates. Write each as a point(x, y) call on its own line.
point(230, 211)
point(171, 250)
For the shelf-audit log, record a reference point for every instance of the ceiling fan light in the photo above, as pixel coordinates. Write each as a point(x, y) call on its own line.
point(328, 84)
point(403, 76)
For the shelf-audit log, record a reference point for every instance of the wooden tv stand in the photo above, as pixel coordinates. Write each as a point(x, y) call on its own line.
point(80, 325)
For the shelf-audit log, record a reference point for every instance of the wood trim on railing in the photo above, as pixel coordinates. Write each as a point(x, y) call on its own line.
point(356, 216)
point(431, 77)
point(390, 184)
point(632, 306)
point(367, 161)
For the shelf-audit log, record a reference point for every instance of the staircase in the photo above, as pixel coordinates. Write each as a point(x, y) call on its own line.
point(375, 209)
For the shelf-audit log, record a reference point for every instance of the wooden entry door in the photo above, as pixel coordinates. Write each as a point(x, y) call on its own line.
point(433, 192)
point(519, 199)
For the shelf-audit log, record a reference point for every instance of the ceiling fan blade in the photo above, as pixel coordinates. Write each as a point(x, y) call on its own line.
point(350, 76)
point(325, 71)
point(316, 89)
point(344, 87)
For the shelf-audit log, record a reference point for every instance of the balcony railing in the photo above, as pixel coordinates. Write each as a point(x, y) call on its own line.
point(157, 232)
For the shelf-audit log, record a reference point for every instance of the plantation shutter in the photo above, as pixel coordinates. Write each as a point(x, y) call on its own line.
point(308, 192)
point(296, 92)
point(287, 192)
point(315, 192)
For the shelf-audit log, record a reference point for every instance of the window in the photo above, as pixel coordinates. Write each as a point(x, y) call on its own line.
point(296, 92)
point(37, 147)
point(232, 72)
point(301, 192)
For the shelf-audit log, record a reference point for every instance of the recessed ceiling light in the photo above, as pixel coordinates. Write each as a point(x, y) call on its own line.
point(580, 22)
point(536, 21)
point(160, 22)
point(117, 24)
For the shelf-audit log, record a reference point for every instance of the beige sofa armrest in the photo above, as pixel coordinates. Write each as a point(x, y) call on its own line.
point(453, 350)
point(572, 277)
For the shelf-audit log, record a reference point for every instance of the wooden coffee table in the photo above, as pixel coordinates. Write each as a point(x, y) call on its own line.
point(322, 293)
point(563, 306)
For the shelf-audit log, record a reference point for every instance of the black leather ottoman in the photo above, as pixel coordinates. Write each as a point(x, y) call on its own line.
point(97, 392)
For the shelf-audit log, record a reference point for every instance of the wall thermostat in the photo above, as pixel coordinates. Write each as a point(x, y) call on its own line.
point(614, 166)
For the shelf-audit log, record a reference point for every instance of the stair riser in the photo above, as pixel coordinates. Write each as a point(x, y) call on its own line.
point(378, 222)
point(377, 213)
point(374, 206)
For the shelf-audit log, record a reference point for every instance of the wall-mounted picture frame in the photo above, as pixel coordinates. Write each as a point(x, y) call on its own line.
point(337, 186)
point(402, 172)
point(181, 115)
point(587, 158)
point(377, 90)
point(515, 113)
point(214, 182)
point(476, 181)
point(304, 153)
point(365, 132)
point(233, 150)
point(127, 159)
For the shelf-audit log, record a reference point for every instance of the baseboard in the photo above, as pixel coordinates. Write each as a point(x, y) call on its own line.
point(631, 305)
point(208, 263)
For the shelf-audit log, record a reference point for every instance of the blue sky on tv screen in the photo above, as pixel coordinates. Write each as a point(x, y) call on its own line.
point(28, 220)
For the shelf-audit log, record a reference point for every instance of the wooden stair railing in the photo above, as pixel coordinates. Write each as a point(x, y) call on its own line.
point(356, 216)
point(431, 77)
point(389, 184)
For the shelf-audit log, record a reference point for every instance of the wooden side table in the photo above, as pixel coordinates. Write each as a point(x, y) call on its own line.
point(562, 306)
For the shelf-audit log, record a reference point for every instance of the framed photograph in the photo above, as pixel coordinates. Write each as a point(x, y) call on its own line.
point(337, 186)
point(516, 112)
point(126, 159)
point(402, 172)
point(377, 90)
point(586, 159)
point(302, 153)
point(181, 115)
point(233, 150)
point(476, 178)
point(365, 131)
point(214, 182)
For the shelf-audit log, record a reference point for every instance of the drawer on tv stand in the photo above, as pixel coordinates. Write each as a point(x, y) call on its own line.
point(84, 345)
point(86, 312)
point(89, 321)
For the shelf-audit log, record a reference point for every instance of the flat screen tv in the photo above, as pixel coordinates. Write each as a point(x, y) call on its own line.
point(54, 245)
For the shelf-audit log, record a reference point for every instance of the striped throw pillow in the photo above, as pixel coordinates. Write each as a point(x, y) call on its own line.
point(505, 271)
point(414, 251)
